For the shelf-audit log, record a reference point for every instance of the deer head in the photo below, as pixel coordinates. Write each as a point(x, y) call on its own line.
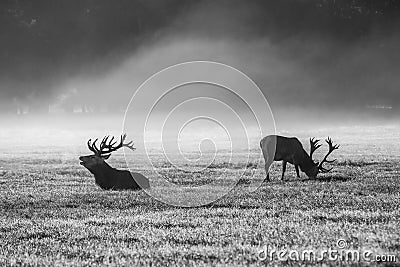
point(318, 167)
point(107, 146)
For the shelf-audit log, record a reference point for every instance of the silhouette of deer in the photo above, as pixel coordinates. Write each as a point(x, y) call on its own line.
point(106, 176)
point(289, 149)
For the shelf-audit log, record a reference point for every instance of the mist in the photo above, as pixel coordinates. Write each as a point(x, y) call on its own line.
point(320, 64)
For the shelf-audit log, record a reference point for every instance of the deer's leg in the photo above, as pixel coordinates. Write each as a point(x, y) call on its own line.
point(297, 170)
point(267, 171)
point(283, 168)
point(268, 161)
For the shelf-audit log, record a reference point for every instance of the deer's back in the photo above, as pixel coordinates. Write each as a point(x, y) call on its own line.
point(286, 148)
point(130, 180)
point(111, 178)
point(140, 179)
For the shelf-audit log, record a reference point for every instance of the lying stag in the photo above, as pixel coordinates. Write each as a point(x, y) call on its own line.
point(289, 149)
point(107, 177)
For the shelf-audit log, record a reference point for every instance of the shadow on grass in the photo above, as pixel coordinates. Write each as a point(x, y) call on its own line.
point(330, 178)
point(325, 178)
point(357, 163)
point(232, 205)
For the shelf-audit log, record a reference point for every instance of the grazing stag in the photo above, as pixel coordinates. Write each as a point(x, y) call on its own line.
point(107, 177)
point(289, 149)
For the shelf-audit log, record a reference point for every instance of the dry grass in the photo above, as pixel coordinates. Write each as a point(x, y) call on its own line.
point(52, 213)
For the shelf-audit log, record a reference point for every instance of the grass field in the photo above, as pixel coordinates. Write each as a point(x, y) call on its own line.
point(52, 213)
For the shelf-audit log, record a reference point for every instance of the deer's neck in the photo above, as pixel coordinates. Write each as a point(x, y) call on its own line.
point(307, 163)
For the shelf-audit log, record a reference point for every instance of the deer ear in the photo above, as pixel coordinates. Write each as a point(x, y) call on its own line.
point(106, 156)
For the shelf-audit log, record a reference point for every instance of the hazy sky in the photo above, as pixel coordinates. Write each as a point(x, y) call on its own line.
point(317, 55)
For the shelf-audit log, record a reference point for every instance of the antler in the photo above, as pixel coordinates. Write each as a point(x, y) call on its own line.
point(108, 146)
point(332, 148)
point(92, 146)
point(314, 145)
